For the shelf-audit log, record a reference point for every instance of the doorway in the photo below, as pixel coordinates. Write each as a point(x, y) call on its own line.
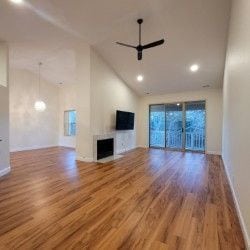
point(178, 126)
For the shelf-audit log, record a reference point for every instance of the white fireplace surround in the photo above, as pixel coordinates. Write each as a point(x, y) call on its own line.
point(103, 137)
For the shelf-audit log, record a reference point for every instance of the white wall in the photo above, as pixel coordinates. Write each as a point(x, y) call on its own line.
point(214, 115)
point(4, 131)
point(236, 118)
point(67, 101)
point(4, 111)
point(30, 129)
point(108, 94)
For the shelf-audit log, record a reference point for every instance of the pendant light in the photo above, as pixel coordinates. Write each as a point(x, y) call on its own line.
point(39, 104)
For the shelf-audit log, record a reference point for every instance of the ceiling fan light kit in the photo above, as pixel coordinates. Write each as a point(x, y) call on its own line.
point(141, 47)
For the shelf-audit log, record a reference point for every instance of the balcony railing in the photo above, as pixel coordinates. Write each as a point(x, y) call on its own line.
point(193, 140)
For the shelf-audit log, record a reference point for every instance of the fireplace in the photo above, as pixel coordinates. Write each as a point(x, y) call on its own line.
point(105, 148)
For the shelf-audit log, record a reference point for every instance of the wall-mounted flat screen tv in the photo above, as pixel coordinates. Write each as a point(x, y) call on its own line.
point(124, 120)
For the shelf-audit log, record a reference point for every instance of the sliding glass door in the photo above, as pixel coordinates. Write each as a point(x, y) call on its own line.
point(195, 126)
point(157, 126)
point(179, 126)
point(174, 128)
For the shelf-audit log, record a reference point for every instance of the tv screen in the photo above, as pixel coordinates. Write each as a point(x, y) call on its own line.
point(124, 120)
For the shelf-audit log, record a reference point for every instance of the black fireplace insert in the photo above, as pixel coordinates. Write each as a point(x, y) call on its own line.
point(105, 148)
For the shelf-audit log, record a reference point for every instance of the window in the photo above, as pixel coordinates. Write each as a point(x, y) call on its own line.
point(70, 123)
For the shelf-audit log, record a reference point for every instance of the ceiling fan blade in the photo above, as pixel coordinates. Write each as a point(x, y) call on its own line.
point(153, 44)
point(126, 45)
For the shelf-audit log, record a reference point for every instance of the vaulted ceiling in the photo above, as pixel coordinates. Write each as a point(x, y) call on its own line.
point(195, 32)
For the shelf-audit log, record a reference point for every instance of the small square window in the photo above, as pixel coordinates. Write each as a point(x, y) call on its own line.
point(70, 123)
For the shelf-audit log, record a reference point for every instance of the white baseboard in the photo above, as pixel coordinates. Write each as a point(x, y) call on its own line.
point(66, 146)
point(4, 171)
point(213, 152)
point(236, 203)
point(142, 146)
point(17, 149)
point(84, 159)
point(124, 150)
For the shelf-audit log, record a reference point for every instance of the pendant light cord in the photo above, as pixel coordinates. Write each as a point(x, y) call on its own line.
point(39, 80)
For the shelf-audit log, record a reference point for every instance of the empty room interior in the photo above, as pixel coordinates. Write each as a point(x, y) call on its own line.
point(124, 124)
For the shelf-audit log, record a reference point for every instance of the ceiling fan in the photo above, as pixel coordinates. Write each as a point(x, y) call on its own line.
point(141, 47)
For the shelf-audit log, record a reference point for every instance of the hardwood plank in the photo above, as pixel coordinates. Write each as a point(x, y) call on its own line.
point(210, 233)
point(157, 245)
point(183, 221)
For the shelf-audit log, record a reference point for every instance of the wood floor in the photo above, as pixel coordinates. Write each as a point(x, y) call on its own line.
point(149, 199)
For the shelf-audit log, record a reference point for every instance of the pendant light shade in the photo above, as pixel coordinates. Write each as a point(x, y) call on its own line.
point(39, 104)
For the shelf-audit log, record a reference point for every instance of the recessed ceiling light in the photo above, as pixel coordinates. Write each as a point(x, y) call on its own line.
point(194, 67)
point(17, 1)
point(139, 78)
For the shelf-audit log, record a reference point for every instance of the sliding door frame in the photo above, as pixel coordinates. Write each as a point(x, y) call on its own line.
point(183, 126)
point(149, 138)
point(183, 149)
